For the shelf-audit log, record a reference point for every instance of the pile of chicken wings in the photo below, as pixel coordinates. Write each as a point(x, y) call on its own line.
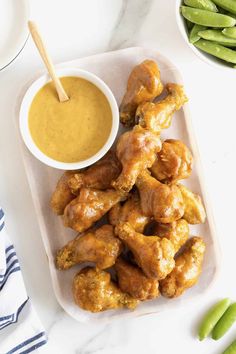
point(145, 210)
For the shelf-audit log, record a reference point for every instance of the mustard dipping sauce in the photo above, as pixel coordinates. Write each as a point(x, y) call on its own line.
point(74, 130)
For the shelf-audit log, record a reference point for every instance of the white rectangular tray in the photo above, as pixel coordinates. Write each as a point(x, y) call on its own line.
point(114, 68)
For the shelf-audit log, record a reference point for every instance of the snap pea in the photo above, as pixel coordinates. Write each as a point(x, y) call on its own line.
point(217, 50)
point(228, 13)
point(207, 18)
point(223, 11)
point(193, 36)
point(230, 32)
point(226, 321)
point(216, 36)
point(202, 4)
point(227, 45)
point(229, 5)
point(212, 317)
point(189, 24)
point(231, 349)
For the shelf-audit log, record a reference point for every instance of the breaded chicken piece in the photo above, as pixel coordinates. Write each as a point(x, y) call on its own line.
point(133, 281)
point(174, 162)
point(144, 84)
point(62, 194)
point(177, 232)
point(188, 267)
point(136, 150)
point(154, 255)
point(89, 207)
point(131, 212)
point(94, 291)
point(158, 116)
point(163, 202)
point(194, 212)
point(98, 176)
point(99, 246)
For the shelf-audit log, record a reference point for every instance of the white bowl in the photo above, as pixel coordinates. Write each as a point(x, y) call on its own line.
point(24, 126)
point(13, 28)
point(207, 58)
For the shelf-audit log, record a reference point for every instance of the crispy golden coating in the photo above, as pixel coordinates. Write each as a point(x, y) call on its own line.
point(94, 291)
point(99, 246)
point(174, 162)
point(133, 281)
point(188, 267)
point(157, 116)
point(136, 150)
point(177, 232)
point(130, 212)
point(144, 84)
point(89, 207)
point(153, 254)
point(136, 187)
point(194, 212)
point(163, 202)
point(97, 176)
point(62, 194)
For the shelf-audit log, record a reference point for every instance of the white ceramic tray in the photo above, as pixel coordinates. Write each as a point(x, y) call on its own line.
point(114, 68)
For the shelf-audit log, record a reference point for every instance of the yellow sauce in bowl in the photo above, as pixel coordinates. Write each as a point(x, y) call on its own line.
point(74, 130)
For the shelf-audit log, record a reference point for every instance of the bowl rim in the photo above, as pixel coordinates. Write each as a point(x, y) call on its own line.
point(207, 58)
point(24, 126)
point(23, 40)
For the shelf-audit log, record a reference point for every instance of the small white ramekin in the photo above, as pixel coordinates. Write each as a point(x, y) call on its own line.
point(207, 58)
point(24, 125)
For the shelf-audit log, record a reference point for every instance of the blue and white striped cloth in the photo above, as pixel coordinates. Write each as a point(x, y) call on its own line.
point(20, 329)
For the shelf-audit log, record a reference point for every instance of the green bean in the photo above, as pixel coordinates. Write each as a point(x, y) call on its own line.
point(231, 349)
point(207, 18)
point(216, 36)
point(229, 5)
point(202, 4)
point(226, 321)
point(193, 36)
point(212, 317)
point(217, 50)
point(230, 32)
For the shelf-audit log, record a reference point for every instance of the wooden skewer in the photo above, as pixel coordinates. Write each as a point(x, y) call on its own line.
point(47, 61)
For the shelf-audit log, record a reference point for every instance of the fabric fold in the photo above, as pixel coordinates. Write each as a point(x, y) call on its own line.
point(20, 328)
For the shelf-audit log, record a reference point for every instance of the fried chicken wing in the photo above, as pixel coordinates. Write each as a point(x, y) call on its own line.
point(94, 291)
point(133, 281)
point(153, 254)
point(163, 202)
point(89, 207)
point(62, 194)
point(157, 116)
point(136, 150)
point(194, 212)
point(188, 267)
point(97, 176)
point(174, 162)
point(131, 212)
point(144, 84)
point(99, 246)
point(177, 232)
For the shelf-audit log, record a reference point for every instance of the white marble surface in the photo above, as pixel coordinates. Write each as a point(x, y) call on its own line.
point(75, 28)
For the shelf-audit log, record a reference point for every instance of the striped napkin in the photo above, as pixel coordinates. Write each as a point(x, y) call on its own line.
point(20, 329)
